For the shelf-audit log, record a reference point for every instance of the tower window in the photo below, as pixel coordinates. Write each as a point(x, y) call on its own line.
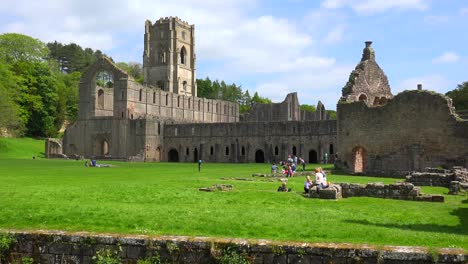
point(167, 99)
point(141, 95)
point(154, 97)
point(183, 54)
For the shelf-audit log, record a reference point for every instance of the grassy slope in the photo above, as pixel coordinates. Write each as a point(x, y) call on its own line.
point(162, 198)
point(21, 148)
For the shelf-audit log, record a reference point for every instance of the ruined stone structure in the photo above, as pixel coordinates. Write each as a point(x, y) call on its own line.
point(163, 120)
point(384, 135)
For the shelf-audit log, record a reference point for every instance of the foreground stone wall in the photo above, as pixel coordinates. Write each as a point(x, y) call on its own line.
point(59, 247)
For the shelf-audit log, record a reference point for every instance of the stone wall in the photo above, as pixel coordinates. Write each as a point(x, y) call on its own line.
point(59, 247)
point(414, 130)
point(288, 110)
point(53, 148)
point(399, 191)
point(250, 141)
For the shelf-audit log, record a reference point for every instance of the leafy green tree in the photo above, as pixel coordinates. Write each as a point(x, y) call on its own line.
point(16, 48)
point(308, 108)
point(134, 69)
point(256, 99)
point(332, 114)
point(9, 109)
point(36, 94)
point(460, 96)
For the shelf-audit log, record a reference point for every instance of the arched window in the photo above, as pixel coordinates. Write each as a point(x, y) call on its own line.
point(243, 151)
point(189, 104)
point(211, 150)
point(217, 108)
point(187, 151)
point(332, 151)
point(276, 151)
point(100, 98)
point(141, 95)
point(363, 97)
point(154, 97)
point(105, 79)
point(183, 54)
point(178, 101)
point(208, 106)
point(294, 150)
point(159, 128)
point(167, 99)
point(199, 105)
point(227, 151)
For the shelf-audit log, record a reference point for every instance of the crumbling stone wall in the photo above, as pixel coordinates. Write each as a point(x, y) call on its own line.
point(367, 82)
point(288, 110)
point(59, 247)
point(53, 148)
point(399, 191)
point(414, 130)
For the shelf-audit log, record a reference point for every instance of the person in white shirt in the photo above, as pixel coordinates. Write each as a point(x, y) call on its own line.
point(319, 182)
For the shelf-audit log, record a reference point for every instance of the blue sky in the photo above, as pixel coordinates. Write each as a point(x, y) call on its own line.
point(273, 47)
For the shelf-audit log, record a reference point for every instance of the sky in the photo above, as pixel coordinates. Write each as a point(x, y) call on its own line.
point(272, 47)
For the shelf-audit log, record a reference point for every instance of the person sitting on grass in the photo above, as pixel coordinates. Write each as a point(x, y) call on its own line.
point(308, 184)
point(283, 187)
point(319, 179)
point(325, 182)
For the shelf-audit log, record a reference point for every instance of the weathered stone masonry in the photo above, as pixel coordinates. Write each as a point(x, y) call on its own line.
point(59, 247)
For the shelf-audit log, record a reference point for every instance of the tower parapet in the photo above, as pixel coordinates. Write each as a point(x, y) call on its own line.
point(169, 56)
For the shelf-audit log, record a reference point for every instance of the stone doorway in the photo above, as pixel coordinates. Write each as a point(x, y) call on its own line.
point(359, 154)
point(313, 157)
point(195, 155)
point(173, 156)
point(259, 156)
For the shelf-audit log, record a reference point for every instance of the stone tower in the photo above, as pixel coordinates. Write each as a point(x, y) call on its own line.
point(368, 81)
point(169, 56)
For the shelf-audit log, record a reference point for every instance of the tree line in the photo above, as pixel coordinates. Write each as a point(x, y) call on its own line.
point(39, 85)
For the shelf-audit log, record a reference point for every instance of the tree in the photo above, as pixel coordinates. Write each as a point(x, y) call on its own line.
point(308, 108)
point(16, 48)
point(459, 96)
point(9, 110)
point(134, 69)
point(36, 92)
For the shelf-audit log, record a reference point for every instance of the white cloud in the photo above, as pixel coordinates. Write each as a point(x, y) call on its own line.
point(447, 57)
point(336, 35)
point(369, 7)
point(434, 82)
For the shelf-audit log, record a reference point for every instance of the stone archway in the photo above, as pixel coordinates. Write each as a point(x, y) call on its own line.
point(173, 156)
point(359, 159)
point(259, 156)
point(313, 157)
point(104, 148)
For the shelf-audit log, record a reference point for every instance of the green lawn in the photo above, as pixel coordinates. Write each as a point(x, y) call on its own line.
point(163, 199)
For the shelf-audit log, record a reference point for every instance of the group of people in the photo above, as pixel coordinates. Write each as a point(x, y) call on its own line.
point(289, 166)
point(320, 180)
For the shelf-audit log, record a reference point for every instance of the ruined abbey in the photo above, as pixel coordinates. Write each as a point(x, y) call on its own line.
point(164, 120)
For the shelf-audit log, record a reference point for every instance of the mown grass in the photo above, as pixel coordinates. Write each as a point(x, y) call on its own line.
point(163, 199)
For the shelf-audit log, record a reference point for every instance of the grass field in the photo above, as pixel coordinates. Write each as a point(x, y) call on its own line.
point(163, 199)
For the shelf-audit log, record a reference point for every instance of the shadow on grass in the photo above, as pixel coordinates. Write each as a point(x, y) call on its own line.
point(461, 229)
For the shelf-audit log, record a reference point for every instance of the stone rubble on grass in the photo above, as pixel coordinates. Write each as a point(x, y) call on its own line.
point(217, 188)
